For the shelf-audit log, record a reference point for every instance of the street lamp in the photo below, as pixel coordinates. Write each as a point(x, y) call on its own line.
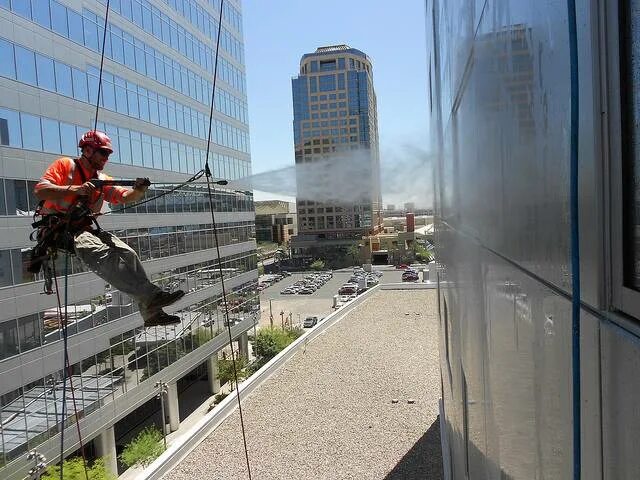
point(163, 390)
point(270, 313)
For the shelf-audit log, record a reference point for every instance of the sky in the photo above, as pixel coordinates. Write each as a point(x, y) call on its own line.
point(278, 32)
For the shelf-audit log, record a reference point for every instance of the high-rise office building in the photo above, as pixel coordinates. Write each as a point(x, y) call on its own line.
point(156, 91)
point(335, 125)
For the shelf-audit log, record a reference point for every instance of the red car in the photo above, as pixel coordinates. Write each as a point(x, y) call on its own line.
point(402, 266)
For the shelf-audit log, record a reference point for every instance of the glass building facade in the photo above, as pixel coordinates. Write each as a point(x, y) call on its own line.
point(155, 103)
point(335, 120)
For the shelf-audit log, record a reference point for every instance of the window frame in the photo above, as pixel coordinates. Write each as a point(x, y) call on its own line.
point(622, 297)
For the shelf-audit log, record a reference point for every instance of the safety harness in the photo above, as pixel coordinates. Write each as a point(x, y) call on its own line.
point(56, 231)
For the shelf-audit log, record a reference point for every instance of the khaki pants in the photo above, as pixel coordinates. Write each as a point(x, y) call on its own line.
point(115, 262)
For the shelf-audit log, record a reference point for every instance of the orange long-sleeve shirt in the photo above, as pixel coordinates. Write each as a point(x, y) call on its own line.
point(63, 172)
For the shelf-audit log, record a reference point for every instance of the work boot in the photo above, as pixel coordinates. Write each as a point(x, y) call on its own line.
point(161, 318)
point(162, 299)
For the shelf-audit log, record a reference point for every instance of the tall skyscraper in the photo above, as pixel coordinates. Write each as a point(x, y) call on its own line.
point(336, 150)
point(156, 91)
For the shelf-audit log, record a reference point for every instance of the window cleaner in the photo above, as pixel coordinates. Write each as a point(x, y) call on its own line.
point(72, 192)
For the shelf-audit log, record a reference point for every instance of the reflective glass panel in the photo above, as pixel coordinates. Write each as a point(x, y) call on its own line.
point(79, 85)
point(59, 19)
point(25, 65)
point(51, 136)
point(8, 333)
point(22, 8)
point(10, 133)
point(7, 65)
point(69, 140)
point(630, 78)
point(41, 12)
point(31, 134)
point(64, 84)
point(46, 75)
point(75, 26)
point(3, 205)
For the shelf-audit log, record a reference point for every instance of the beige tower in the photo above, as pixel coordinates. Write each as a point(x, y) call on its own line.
point(336, 144)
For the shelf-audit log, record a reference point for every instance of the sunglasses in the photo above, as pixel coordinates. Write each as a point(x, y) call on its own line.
point(104, 152)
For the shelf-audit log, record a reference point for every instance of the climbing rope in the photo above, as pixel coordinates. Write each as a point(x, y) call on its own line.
point(206, 171)
point(66, 370)
point(215, 234)
point(65, 334)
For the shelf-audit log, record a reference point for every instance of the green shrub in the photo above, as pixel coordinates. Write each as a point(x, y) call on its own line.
point(271, 341)
point(423, 254)
point(144, 449)
point(317, 265)
point(73, 469)
point(225, 370)
point(219, 397)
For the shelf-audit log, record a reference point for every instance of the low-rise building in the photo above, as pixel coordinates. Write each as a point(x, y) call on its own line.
point(276, 221)
point(398, 242)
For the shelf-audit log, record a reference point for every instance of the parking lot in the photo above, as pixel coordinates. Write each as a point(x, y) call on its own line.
point(319, 303)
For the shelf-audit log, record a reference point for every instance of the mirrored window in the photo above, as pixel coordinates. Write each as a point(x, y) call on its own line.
point(31, 133)
point(59, 18)
point(45, 72)
point(22, 8)
point(69, 139)
point(41, 12)
point(80, 91)
point(76, 28)
point(25, 65)
point(10, 133)
point(3, 205)
point(8, 336)
point(90, 31)
point(51, 136)
point(630, 76)
point(64, 84)
point(7, 65)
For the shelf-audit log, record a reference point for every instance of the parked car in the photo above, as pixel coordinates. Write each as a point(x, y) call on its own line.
point(410, 276)
point(347, 289)
point(310, 322)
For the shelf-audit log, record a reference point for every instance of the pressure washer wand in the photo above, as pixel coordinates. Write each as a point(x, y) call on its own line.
point(117, 183)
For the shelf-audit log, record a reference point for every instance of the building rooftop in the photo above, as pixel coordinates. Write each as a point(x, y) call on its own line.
point(335, 50)
point(329, 412)
point(270, 207)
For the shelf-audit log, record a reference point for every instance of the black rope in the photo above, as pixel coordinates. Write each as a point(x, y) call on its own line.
point(215, 234)
point(104, 39)
point(65, 335)
point(67, 367)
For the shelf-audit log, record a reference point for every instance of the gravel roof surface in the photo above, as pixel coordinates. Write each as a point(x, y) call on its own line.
point(328, 412)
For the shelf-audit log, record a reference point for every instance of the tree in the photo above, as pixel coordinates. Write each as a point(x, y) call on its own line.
point(144, 449)
point(73, 469)
point(317, 265)
point(271, 341)
point(225, 370)
point(423, 254)
point(354, 253)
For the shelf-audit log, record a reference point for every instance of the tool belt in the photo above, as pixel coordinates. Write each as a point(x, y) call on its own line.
point(55, 232)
